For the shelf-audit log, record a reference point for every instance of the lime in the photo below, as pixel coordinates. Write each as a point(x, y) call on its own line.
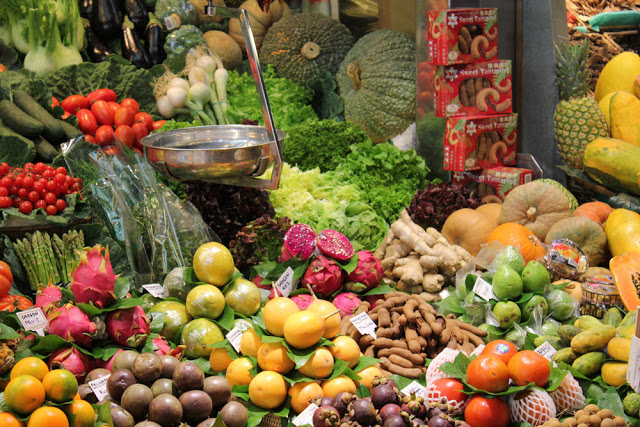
point(205, 301)
point(213, 263)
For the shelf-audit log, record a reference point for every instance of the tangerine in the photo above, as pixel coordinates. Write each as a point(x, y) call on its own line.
point(7, 419)
point(275, 312)
point(30, 366)
point(250, 343)
point(239, 372)
point(48, 416)
point(213, 263)
point(219, 359)
point(303, 329)
point(272, 356)
point(319, 365)
point(341, 383)
point(369, 374)
point(24, 394)
point(302, 393)
point(268, 390)
point(347, 349)
point(331, 321)
point(83, 411)
point(60, 385)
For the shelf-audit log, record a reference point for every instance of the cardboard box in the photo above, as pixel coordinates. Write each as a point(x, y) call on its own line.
point(473, 89)
point(462, 36)
point(480, 142)
point(494, 182)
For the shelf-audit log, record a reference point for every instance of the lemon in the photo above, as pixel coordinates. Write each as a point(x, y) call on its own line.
point(213, 263)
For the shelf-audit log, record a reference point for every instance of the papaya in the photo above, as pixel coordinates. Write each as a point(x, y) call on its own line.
point(604, 105)
point(629, 319)
point(589, 364)
point(626, 331)
point(593, 339)
point(556, 342)
point(587, 322)
point(612, 317)
point(565, 355)
point(624, 113)
point(618, 74)
point(626, 275)
point(613, 163)
point(614, 373)
point(619, 348)
point(567, 332)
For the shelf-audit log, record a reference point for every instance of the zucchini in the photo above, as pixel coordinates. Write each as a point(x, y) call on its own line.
point(52, 129)
point(15, 149)
point(70, 130)
point(19, 121)
point(44, 150)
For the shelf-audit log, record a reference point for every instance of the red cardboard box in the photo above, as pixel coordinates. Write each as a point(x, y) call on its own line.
point(462, 36)
point(473, 89)
point(494, 183)
point(480, 142)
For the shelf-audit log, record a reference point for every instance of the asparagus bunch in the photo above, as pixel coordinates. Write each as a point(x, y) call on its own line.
point(48, 259)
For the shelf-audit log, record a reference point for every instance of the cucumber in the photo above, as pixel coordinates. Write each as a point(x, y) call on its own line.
point(70, 130)
point(19, 121)
point(44, 150)
point(15, 149)
point(52, 129)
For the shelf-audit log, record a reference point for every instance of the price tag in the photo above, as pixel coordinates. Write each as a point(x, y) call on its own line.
point(264, 294)
point(483, 289)
point(156, 289)
point(633, 373)
point(546, 350)
point(284, 284)
point(172, 21)
point(364, 324)
point(306, 417)
point(414, 387)
point(99, 387)
point(33, 320)
point(234, 336)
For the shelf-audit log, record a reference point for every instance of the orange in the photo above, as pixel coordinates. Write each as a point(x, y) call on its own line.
point(250, 342)
point(503, 349)
point(213, 263)
point(239, 372)
point(24, 394)
point(337, 385)
point(83, 411)
point(30, 366)
point(60, 385)
point(320, 365)
point(219, 359)
point(367, 376)
point(268, 390)
point(301, 393)
point(7, 419)
point(347, 349)
point(48, 416)
point(272, 356)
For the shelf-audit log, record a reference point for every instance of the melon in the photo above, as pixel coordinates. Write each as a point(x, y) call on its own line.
point(619, 74)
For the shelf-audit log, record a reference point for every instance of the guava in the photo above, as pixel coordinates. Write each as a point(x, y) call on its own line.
point(535, 277)
point(511, 258)
point(243, 296)
point(490, 337)
point(516, 336)
point(507, 313)
point(529, 306)
point(176, 285)
point(476, 308)
point(550, 327)
point(205, 301)
point(631, 404)
point(176, 316)
point(507, 283)
point(561, 305)
point(196, 337)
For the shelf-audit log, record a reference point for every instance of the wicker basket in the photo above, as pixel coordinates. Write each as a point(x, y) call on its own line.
point(598, 297)
point(588, 191)
point(19, 230)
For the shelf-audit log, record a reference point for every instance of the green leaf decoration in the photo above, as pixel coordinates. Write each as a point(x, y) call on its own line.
point(225, 321)
point(157, 321)
point(365, 362)
point(380, 290)
point(123, 303)
point(8, 333)
point(350, 265)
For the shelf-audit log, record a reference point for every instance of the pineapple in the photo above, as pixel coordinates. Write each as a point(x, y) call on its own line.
point(577, 118)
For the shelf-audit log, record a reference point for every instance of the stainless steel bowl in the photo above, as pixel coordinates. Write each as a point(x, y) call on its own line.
point(210, 153)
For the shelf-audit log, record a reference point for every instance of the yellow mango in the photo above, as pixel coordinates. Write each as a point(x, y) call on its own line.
point(614, 373)
point(619, 74)
point(619, 348)
point(626, 331)
point(593, 339)
point(624, 117)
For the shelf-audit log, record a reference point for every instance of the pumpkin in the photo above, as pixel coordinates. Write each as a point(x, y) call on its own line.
point(595, 211)
point(491, 210)
point(303, 46)
point(512, 234)
point(626, 275)
point(573, 202)
point(468, 228)
point(584, 232)
point(536, 205)
point(377, 83)
point(623, 231)
point(259, 20)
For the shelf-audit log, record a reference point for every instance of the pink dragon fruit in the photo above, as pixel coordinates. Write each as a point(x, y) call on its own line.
point(93, 278)
point(72, 324)
point(299, 243)
point(324, 276)
point(164, 348)
point(128, 327)
point(373, 300)
point(107, 364)
point(302, 300)
point(335, 245)
point(48, 297)
point(347, 302)
point(71, 359)
point(367, 274)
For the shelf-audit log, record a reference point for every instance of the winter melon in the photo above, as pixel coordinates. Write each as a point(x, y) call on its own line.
point(573, 202)
point(613, 163)
point(619, 74)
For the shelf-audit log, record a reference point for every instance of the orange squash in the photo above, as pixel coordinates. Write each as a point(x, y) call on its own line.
point(596, 211)
point(492, 211)
point(519, 236)
point(468, 228)
point(626, 274)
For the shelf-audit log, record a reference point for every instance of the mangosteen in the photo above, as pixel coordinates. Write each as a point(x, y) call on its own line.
point(395, 421)
point(341, 402)
point(326, 416)
point(383, 394)
point(325, 401)
point(363, 412)
point(417, 422)
point(414, 405)
point(389, 410)
point(440, 420)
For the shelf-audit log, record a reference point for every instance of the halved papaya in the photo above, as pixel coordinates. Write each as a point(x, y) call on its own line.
point(626, 274)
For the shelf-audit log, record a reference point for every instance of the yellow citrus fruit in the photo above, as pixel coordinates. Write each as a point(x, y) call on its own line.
point(367, 375)
point(239, 372)
point(272, 356)
point(48, 416)
point(197, 335)
point(268, 390)
point(303, 329)
point(24, 394)
point(30, 366)
point(320, 365)
point(83, 411)
point(60, 385)
point(337, 385)
point(332, 323)
point(219, 359)
point(276, 312)
point(7, 419)
point(205, 301)
point(301, 393)
point(213, 263)
point(250, 342)
point(347, 349)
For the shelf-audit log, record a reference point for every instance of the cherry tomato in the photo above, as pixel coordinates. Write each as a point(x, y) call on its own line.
point(40, 204)
point(64, 188)
point(27, 182)
point(48, 173)
point(72, 104)
point(486, 412)
point(102, 111)
point(4, 191)
point(5, 202)
point(33, 196)
point(527, 367)
point(16, 202)
point(27, 166)
point(39, 167)
point(26, 207)
point(90, 138)
point(102, 94)
point(141, 131)
point(6, 182)
point(87, 122)
point(61, 170)
point(51, 210)
point(18, 180)
point(39, 186)
point(22, 193)
point(105, 135)
point(50, 198)
point(488, 373)
point(146, 119)
point(54, 102)
point(61, 205)
point(126, 135)
point(124, 116)
point(13, 190)
point(500, 348)
point(158, 124)
point(132, 103)
point(4, 167)
point(60, 179)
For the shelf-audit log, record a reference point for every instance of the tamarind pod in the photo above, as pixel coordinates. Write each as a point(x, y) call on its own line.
point(456, 333)
point(450, 316)
point(399, 309)
point(491, 191)
point(355, 334)
point(466, 36)
point(384, 332)
point(495, 136)
point(486, 82)
point(467, 327)
point(389, 343)
point(394, 318)
point(462, 93)
point(395, 301)
point(363, 307)
point(375, 310)
point(504, 105)
point(350, 329)
point(436, 323)
point(385, 373)
point(432, 342)
point(422, 341)
point(384, 318)
point(416, 359)
point(491, 52)
point(426, 308)
point(412, 373)
point(445, 336)
point(345, 322)
point(473, 338)
point(462, 45)
point(411, 336)
point(370, 351)
point(481, 148)
point(467, 348)
point(401, 361)
point(478, 84)
point(409, 310)
point(365, 341)
point(423, 327)
point(471, 91)
point(374, 317)
point(405, 296)
point(402, 319)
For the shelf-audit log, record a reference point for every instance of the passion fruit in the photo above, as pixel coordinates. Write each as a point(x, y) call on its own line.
point(188, 376)
point(166, 410)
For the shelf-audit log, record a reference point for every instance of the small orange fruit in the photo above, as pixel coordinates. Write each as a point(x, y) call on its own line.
point(347, 349)
point(239, 372)
point(60, 385)
point(272, 356)
point(250, 342)
point(276, 312)
point(24, 394)
point(303, 329)
point(301, 393)
point(7, 419)
point(30, 366)
point(219, 359)
point(331, 321)
point(367, 376)
point(83, 411)
point(337, 385)
point(320, 365)
point(268, 390)
point(48, 416)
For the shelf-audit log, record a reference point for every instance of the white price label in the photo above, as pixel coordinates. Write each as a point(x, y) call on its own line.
point(33, 320)
point(99, 387)
point(633, 374)
point(306, 417)
point(364, 324)
point(156, 289)
point(234, 336)
point(284, 284)
point(546, 350)
point(414, 387)
point(483, 289)
point(168, 22)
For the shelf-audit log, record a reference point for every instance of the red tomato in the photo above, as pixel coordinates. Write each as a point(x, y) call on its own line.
point(132, 103)
point(126, 135)
point(158, 124)
point(488, 373)
point(447, 387)
point(500, 348)
point(33, 196)
point(5, 202)
point(71, 104)
point(4, 191)
point(61, 205)
point(26, 207)
point(50, 198)
point(527, 367)
point(90, 138)
point(114, 106)
point(124, 116)
point(103, 112)
point(105, 135)
point(41, 204)
point(102, 94)
point(54, 102)
point(86, 121)
point(146, 119)
point(51, 210)
point(141, 131)
point(486, 412)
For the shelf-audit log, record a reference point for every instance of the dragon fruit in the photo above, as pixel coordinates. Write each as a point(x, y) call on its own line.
point(165, 348)
point(48, 297)
point(334, 244)
point(302, 300)
point(324, 276)
point(347, 302)
point(107, 364)
point(367, 274)
point(93, 278)
point(128, 327)
point(72, 324)
point(373, 300)
point(71, 359)
point(299, 243)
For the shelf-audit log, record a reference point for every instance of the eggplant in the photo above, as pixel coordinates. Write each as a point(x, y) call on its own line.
point(87, 9)
point(138, 14)
point(106, 22)
point(96, 50)
point(132, 48)
point(155, 40)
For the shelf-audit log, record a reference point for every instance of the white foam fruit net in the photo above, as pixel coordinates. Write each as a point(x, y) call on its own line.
point(433, 371)
point(477, 351)
point(533, 406)
point(569, 396)
point(432, 394)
